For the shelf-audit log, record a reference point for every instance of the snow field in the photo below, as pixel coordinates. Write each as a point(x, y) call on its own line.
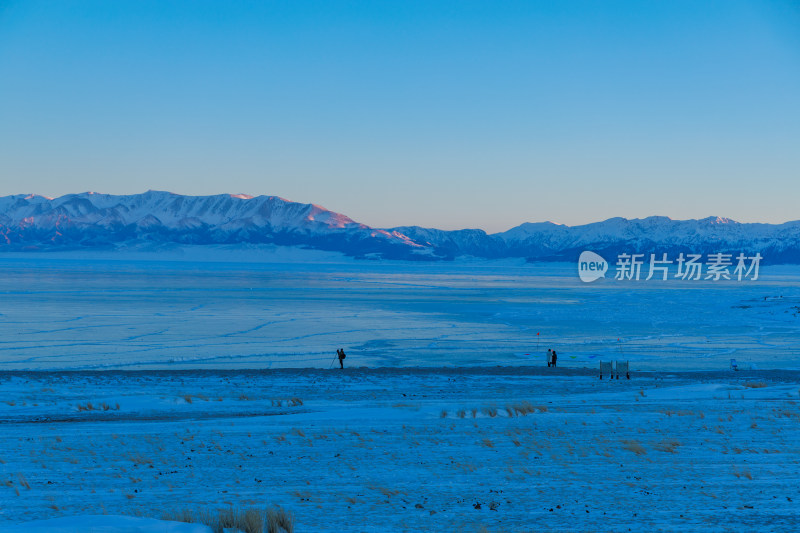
point(505, 449)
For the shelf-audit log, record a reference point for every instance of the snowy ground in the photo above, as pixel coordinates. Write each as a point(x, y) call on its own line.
point(105, 524)
point(130, 387)
point(409, 449)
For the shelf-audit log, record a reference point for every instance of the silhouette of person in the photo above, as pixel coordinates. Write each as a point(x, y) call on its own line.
point(549, 357)
point(555, 358)
point(342, 355)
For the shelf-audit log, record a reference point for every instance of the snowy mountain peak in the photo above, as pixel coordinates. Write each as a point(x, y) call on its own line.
point(156, 218)
point(37, 197)
point(718, 220)
point(161, 218)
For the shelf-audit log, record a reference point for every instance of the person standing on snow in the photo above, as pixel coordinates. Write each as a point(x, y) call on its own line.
point(555, 357)
point(549, 357)
point(342, 355)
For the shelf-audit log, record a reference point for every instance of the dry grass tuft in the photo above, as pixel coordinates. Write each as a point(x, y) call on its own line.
point(667, 445)
point(279, 519)
point(139, 459)
point(678, 412)
point(489, 411)
point(409, 406)
point(634, 446)
point(291, 402)
point(250, 520)
point(385, 491)
point(182, 515)
point(227, 519)
point(89, 406)
point(524, 408)
point(22, 481)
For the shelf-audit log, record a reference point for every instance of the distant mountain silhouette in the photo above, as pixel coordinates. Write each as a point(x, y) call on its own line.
point(92, 221)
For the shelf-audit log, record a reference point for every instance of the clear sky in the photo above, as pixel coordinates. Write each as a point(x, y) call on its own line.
point(448, 114)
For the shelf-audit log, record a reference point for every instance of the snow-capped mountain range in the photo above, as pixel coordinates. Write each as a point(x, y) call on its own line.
point(155, 218)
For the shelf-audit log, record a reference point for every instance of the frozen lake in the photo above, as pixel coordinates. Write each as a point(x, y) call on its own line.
point(60, 313)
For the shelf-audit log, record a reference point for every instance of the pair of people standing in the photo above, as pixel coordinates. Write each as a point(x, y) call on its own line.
point(552, 357)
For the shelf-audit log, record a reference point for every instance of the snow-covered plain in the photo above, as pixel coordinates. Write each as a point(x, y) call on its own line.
point(409, 449)
point(133, 387)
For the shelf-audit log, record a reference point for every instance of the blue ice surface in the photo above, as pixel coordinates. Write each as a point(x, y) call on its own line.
point(79, 313)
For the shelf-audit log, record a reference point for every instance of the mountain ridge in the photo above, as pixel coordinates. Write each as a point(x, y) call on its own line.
point(92, 220)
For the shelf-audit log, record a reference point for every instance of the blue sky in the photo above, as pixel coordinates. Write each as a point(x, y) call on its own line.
point(445, 114)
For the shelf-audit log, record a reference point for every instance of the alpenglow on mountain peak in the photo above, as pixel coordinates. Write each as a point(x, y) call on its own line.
point(155, 219)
